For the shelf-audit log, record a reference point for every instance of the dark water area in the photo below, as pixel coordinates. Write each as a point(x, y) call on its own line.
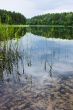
point(36, 68)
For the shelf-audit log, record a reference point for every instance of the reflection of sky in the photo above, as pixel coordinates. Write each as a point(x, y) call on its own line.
point(41, 52)
point(42, 47)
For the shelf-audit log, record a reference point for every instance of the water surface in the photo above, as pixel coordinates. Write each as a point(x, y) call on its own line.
point(36, 70)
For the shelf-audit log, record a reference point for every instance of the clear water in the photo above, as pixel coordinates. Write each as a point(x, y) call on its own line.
point(36, 65)
point(40, 57)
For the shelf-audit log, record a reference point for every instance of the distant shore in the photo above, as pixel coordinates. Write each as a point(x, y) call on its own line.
point(5, 25)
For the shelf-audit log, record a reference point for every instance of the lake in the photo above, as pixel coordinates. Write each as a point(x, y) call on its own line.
point(36, 68)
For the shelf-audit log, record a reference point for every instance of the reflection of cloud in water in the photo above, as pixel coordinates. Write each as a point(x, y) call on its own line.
point(61, 67)
point(42, 57)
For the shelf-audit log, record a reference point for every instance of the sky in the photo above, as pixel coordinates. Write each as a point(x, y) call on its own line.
point(30, 8)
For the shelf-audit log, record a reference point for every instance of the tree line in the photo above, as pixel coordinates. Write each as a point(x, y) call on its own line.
point(52, 19)
point(8, 17)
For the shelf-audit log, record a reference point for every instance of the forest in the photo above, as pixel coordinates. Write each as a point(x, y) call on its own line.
point(13, 18)
point(8, 17)
point(52, 19)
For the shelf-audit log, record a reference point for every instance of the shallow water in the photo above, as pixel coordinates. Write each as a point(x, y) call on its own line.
point(36, 73)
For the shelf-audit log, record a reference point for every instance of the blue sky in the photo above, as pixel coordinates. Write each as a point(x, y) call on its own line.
point(31, 8)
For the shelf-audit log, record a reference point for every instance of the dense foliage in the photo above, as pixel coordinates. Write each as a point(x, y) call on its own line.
point(53, 32)
point(7, 17)
point(52, 19)
point(7, 33)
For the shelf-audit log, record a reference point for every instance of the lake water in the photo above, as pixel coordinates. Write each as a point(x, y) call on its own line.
point(36, 70)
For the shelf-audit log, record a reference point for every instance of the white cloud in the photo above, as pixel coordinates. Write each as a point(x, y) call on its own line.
point(34, 7)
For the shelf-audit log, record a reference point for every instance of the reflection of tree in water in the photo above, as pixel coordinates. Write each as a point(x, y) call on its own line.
point(53, 32)
point(12, 57)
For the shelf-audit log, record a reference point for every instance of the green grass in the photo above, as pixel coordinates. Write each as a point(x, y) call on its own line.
point(11, 31)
